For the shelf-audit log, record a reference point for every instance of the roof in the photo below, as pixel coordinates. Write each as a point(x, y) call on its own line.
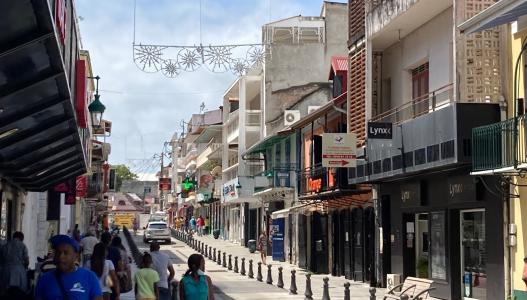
point(319, 112)
point(338, 64)
point(501, 12)
point(212, 131)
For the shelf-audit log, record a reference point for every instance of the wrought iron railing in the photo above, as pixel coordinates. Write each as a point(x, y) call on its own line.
point(280, 175)
point(418, 106)
point(318, 179)
point(499, 145)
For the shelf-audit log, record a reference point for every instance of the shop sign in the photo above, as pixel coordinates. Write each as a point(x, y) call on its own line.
point(411, 194)
point(314, 185)
point(165, 184)
point(82, 186)
point(461, 189)
point(339, 150)
point(60, 19)
point(230, 192)
point(377, 130)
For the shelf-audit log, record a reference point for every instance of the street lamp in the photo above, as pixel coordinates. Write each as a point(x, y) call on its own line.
point(96, 108)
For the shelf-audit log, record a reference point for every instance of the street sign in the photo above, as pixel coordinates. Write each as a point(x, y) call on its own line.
point(378, 130)
point(339, 150)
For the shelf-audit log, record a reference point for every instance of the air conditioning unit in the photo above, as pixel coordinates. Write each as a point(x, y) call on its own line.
point(392, 280)
point(312, 108)
point(291, 116)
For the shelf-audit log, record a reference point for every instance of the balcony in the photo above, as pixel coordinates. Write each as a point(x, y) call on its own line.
point(204, 155)
point(437, 139)
point(280, 176)
point(252, 119)
point(499, 147)
point(233, 130)
point(95, 186)
point(386, 18)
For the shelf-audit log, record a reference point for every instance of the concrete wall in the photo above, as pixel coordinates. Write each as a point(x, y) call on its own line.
point(293, 65)
point(433, 43)
point(137, 187)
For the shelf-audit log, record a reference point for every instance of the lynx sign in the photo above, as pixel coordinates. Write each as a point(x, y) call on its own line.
point(339, 150)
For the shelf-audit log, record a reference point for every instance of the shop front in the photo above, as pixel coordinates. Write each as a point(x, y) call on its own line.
point(448, 228)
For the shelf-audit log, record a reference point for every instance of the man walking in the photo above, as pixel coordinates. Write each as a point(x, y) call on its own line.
point(201, 224)
point(87, 244)
point(161, 263)
point(16, 261)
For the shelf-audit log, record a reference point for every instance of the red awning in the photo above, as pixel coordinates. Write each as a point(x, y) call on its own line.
point(339, 64)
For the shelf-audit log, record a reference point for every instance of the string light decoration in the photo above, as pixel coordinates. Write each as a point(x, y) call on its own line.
point(172, 60)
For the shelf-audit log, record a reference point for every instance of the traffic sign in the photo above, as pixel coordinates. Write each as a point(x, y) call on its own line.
point(339, 150)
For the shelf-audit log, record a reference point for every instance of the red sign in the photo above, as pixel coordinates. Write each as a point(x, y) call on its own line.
point(80, 94)
point(60, 18)
point(165, 184)
point(314, 185)
point(69, 188)
point(82, 186)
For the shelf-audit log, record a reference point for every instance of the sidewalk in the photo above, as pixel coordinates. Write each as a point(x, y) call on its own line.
point(358, 290)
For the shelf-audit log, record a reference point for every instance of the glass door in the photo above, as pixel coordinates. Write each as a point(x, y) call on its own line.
point(473, 254)
point(421, 245)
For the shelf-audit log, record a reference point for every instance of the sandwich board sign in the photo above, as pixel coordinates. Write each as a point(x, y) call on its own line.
point(339, 150)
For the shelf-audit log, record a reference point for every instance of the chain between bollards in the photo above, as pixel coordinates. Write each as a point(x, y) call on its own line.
point(259, 276)
point(280, 282)
point(242, 269)
point(236, 264)
point(269, 275)
point(251, 273)
point(325, 292)
point(293, 289)
point(347, 291)
point(308, 294)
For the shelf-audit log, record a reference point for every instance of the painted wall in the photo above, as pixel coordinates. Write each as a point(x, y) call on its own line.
point(433, 43)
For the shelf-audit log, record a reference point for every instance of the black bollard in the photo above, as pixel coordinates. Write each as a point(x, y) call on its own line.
point(372, 293)
point(259, 276)
point(214, 255)
point(280, 282)
point(293, 289)
point(210, 252)
point(242, 269)
point(251, 273)
point(325, 292)
point(230, 262)
point(269, 275)
point(224, 260)
point(308, 294)
point(219, 257)
point(347, 291)
point(236, 264)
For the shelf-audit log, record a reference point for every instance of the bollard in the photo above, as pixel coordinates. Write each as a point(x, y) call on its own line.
point(325, 292)
point(259, 276)
point(219, 258)
point(251, 273)
point(280, 282)
point(210, 252)
point(236, 264)
point(230, 262)
point(308, 294)
point(224, 260)
point(404, 297)
point(242, 270)
point(372, 293)
point(269, 275)
point(214, 255)
point(293, 289)
point(347, 291)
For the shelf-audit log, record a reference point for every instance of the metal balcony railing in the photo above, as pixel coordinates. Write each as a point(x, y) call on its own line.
point(280, 175)
point(253, 117)
point(500, 145)
point(418, 106)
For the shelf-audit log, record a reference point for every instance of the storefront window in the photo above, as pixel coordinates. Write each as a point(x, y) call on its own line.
point(473, 254)
point(437, 242)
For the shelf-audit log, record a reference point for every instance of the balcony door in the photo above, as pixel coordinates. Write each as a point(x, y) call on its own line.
point(420, 79)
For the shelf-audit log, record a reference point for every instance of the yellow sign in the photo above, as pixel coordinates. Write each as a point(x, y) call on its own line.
point(124, 220)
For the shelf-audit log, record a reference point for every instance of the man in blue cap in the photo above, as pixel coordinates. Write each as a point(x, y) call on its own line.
point(68, 281)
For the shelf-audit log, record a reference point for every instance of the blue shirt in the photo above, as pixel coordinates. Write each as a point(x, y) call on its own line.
point(196, 290)
point(114, 254)
point(79, 285)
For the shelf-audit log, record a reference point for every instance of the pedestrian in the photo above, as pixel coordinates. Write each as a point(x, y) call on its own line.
point(68, 281)
point(178, 223)
point(76, 234)
point(136, 226)
point(201, 224)
point(123, 269)
point(105, 271)
point(161, 263)
point(146, 280)
point(87, 243)
point(263, 240)
point(195, 285)
point(193, 224)
point(207, 225)
point(114, 254)
point(16, 261)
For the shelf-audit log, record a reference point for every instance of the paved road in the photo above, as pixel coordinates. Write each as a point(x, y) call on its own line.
point(227, 284)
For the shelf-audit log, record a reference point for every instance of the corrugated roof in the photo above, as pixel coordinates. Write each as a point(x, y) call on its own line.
point(338, 64)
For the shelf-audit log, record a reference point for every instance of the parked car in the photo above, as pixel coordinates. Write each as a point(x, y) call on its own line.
point(157, 231)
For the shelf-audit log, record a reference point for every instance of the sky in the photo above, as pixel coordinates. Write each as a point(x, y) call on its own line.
point(146, 109)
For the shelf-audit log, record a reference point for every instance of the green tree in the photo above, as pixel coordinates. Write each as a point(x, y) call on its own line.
point(123, 173)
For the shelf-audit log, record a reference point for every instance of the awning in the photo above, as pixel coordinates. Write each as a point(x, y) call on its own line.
point(274, 190)
point(339, 64)
point(501, 12)
point(268, 142)
point(338, 199)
